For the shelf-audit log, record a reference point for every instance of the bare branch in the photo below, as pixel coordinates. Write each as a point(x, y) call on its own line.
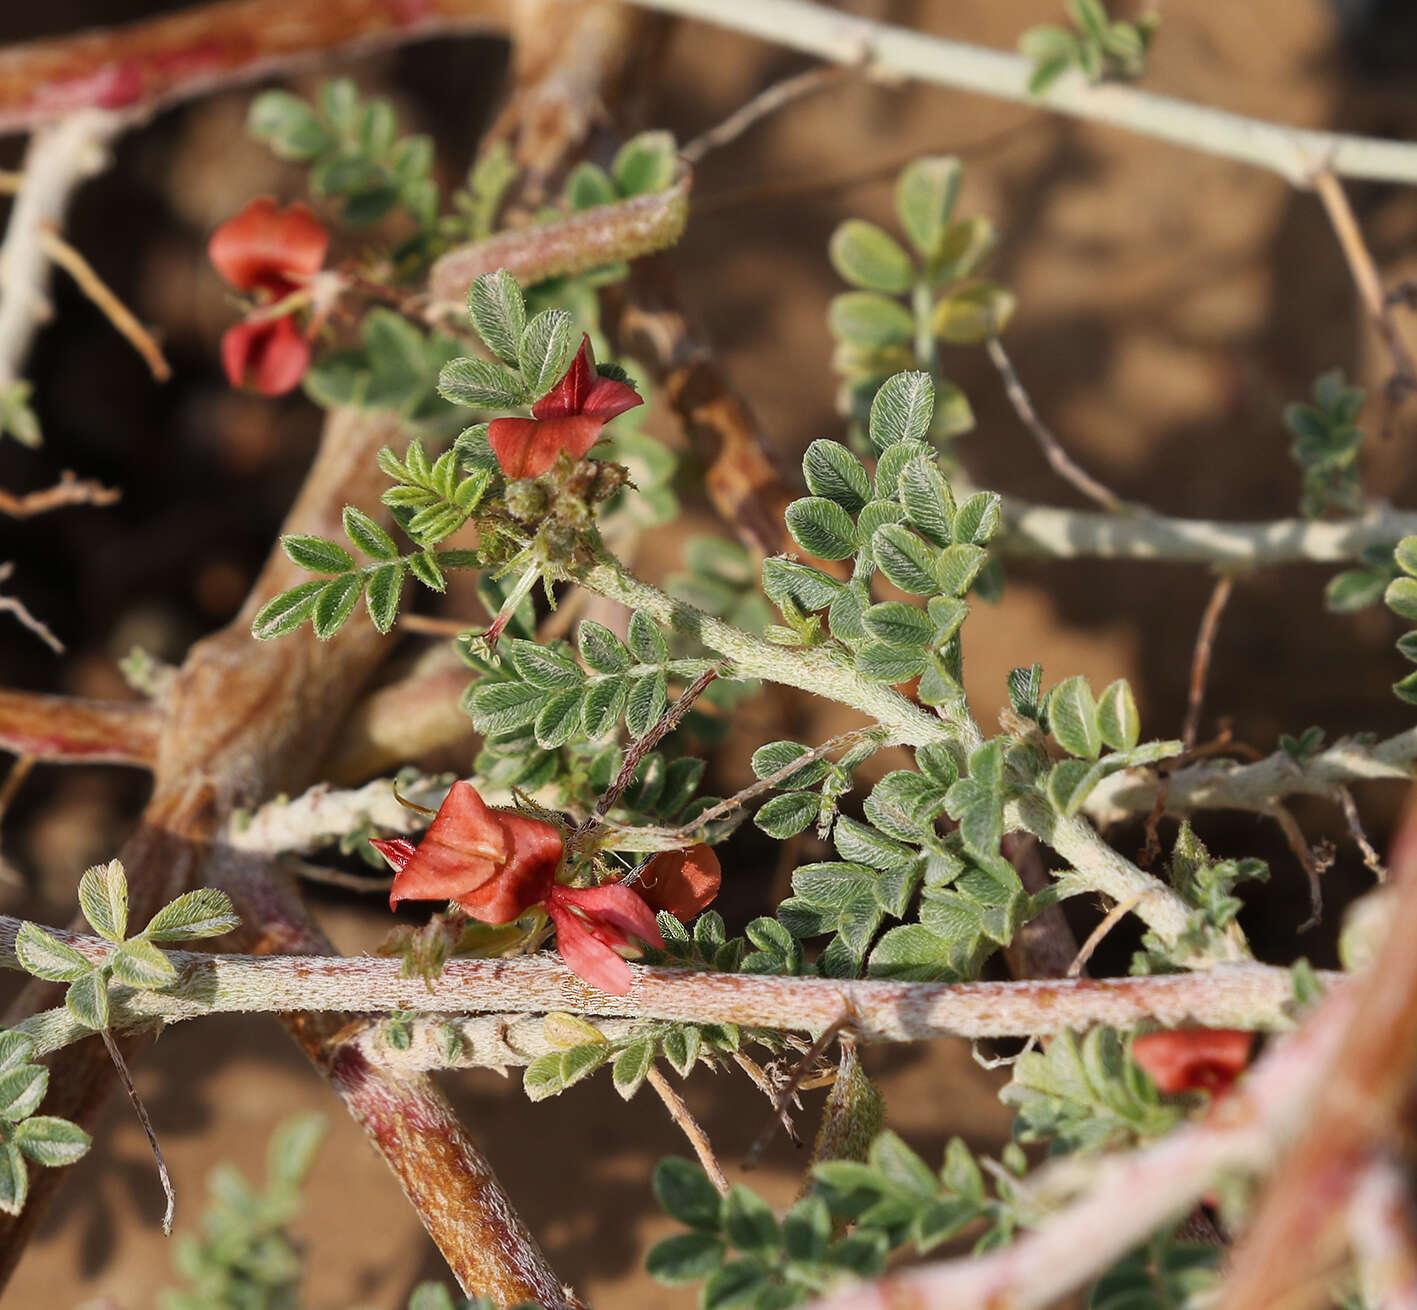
point(1058, 459)
point(97, 290)
point(67, 730)
point(14, 605)
point(690, 1127)
point(763, 105)
point(69, 490)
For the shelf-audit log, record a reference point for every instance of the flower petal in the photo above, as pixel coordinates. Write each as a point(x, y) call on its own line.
point(1193, 1059)
point(586, 953)
point(582, 391)
point(464, 846)
point(397, 851)
point(617, 910)
point(682, 882)
point(528, 447)
point(271, 356)
point(525, 878)
point(264, 246)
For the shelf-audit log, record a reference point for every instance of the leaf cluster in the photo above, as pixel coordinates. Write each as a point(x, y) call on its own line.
point(1401, 598)
point(743, 1254)
point(353, 149)
point(1100, 48)
point(584, 1049)
point(902, 522)
point(25, 1136)
point(908, 300)
point(17, 416)
point(1161, 1273)
point(245, 1255)
point(1327, 442)
point(134, 961)
point(1085, 1095)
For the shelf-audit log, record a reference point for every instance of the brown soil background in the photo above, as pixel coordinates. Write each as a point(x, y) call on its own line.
point(1170, 305)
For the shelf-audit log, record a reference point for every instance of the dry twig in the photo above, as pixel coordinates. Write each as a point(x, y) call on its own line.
point(691, 1128)
point(763, 105)
point(69, 490)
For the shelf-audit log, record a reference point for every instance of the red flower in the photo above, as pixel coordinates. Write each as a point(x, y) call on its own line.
point(497, 865)
point(569, 417)
point(270, 254)
point(682, 882)
point(1194, 1059)
point(594, 925)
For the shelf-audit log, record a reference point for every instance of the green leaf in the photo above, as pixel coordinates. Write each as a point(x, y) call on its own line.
point(925, 199)
point(48, 1140)
point(901, 411)
point(646, 640)
point(808, 588)
point(425, 567)
point(786, 815)
point(1405, 555)
point(336, 603)
point(544, 666)
point(140, 964)
point(601, 649)
point(833, 472)
point(869, 320)
point(15, 1050)
point(498, 312)
point(290, 1154)
point(1072, 718)
point(284, 613)
point(685, 1258)
point(912, 953)
point(685, 1194)
point(977, 519)
point(899, 624)
point(907, 562)
point(777, 755)
point(545, 349)
point(967, 243)
point(589, 186)
point(821, 527)
point(748, 1221)
point(87, 999)
point(103, 897)
point(289, 127)
point(631, 1067)
point(205, 912)
point(645, 163)
point(14, 1180)
point(882, 663)
point(869, 258)
point(957, 567)
point(21, 1091)
point(973, 314)
point(1401, 598)
point(736, 1283)
point(368, 536)
point(549, 1075)
point(317, 554)
point(1117, 717)
point(602, 707)
point(46, 957)
point(500, 707)
point(480, 384)
point(382, 594)
point(647, 701)
point(928, 502)
point(559, 719)
point(1070, 782)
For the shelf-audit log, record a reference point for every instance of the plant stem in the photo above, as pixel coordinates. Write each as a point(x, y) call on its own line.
point(817, 669)
point(884, 48)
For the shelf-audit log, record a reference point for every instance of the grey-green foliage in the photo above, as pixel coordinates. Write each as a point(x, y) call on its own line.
point(901, 521)
point(1327, 442)
point(1164, 1273)
point(1085, 1095)
point(1102, 49)
point(17, 416)
point(1401, 598)
point(134, 961)
point(1356, 589)
point(395, 367)
point(584, 1049)
point(353, 149)
point(245, 1257)
point(25, 1137)
point(1207, 887)
point(743, 1254)
point(643, 165)
point(907, 302)
point(853, 1216)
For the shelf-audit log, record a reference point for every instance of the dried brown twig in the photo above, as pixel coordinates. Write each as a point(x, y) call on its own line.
point(69, 490)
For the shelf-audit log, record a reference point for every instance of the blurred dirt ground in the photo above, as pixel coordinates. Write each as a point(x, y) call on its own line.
point(1170, 305)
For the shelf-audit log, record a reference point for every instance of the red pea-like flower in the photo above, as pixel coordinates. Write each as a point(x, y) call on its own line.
point(1194, 1059)
point(682, 882)
point(269, 253)
point(569, 417)
point(496, 865)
